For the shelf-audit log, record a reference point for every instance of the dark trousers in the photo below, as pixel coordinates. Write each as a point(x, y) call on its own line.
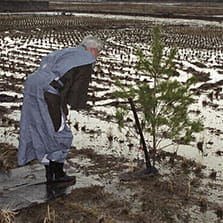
point(54, 108)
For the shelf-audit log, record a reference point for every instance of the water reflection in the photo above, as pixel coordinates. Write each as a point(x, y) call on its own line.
point(25, 186)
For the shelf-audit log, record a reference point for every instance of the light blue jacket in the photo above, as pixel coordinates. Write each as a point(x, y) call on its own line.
point(37, 134)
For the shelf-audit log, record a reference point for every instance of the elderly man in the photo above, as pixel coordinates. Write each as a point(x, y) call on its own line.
point(62, 79)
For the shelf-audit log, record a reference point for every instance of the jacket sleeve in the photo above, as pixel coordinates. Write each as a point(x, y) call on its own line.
point(76, 82)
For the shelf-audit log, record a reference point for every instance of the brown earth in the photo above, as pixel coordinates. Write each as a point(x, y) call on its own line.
point(124, 197)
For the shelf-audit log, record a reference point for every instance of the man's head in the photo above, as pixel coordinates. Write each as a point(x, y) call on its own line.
point(92, 44)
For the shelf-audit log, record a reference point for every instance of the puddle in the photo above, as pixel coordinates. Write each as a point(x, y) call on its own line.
point(26, 186)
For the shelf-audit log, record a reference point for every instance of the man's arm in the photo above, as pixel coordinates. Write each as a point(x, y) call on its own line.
point(76, 83)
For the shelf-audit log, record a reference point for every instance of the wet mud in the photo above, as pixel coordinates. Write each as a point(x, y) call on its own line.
point(174, 196)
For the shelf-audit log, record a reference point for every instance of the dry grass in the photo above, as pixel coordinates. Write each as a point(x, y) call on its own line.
point(7, 216)
point(51, 216)
point(8, 156)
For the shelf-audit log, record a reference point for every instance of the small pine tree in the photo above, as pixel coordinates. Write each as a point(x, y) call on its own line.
point(164, 102)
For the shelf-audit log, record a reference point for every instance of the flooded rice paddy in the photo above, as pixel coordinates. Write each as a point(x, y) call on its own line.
point(25, 40)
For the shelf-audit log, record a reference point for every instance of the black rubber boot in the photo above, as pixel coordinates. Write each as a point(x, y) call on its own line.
point(58, 174)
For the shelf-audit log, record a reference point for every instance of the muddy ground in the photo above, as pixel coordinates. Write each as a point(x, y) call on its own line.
point(176, 196)
point(184, 190)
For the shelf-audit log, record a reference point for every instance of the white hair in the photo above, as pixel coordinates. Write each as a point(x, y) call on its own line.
point(92, 42)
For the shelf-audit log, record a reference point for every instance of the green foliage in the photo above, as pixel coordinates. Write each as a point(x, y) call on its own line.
point(120, 115)
point(164, 102)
